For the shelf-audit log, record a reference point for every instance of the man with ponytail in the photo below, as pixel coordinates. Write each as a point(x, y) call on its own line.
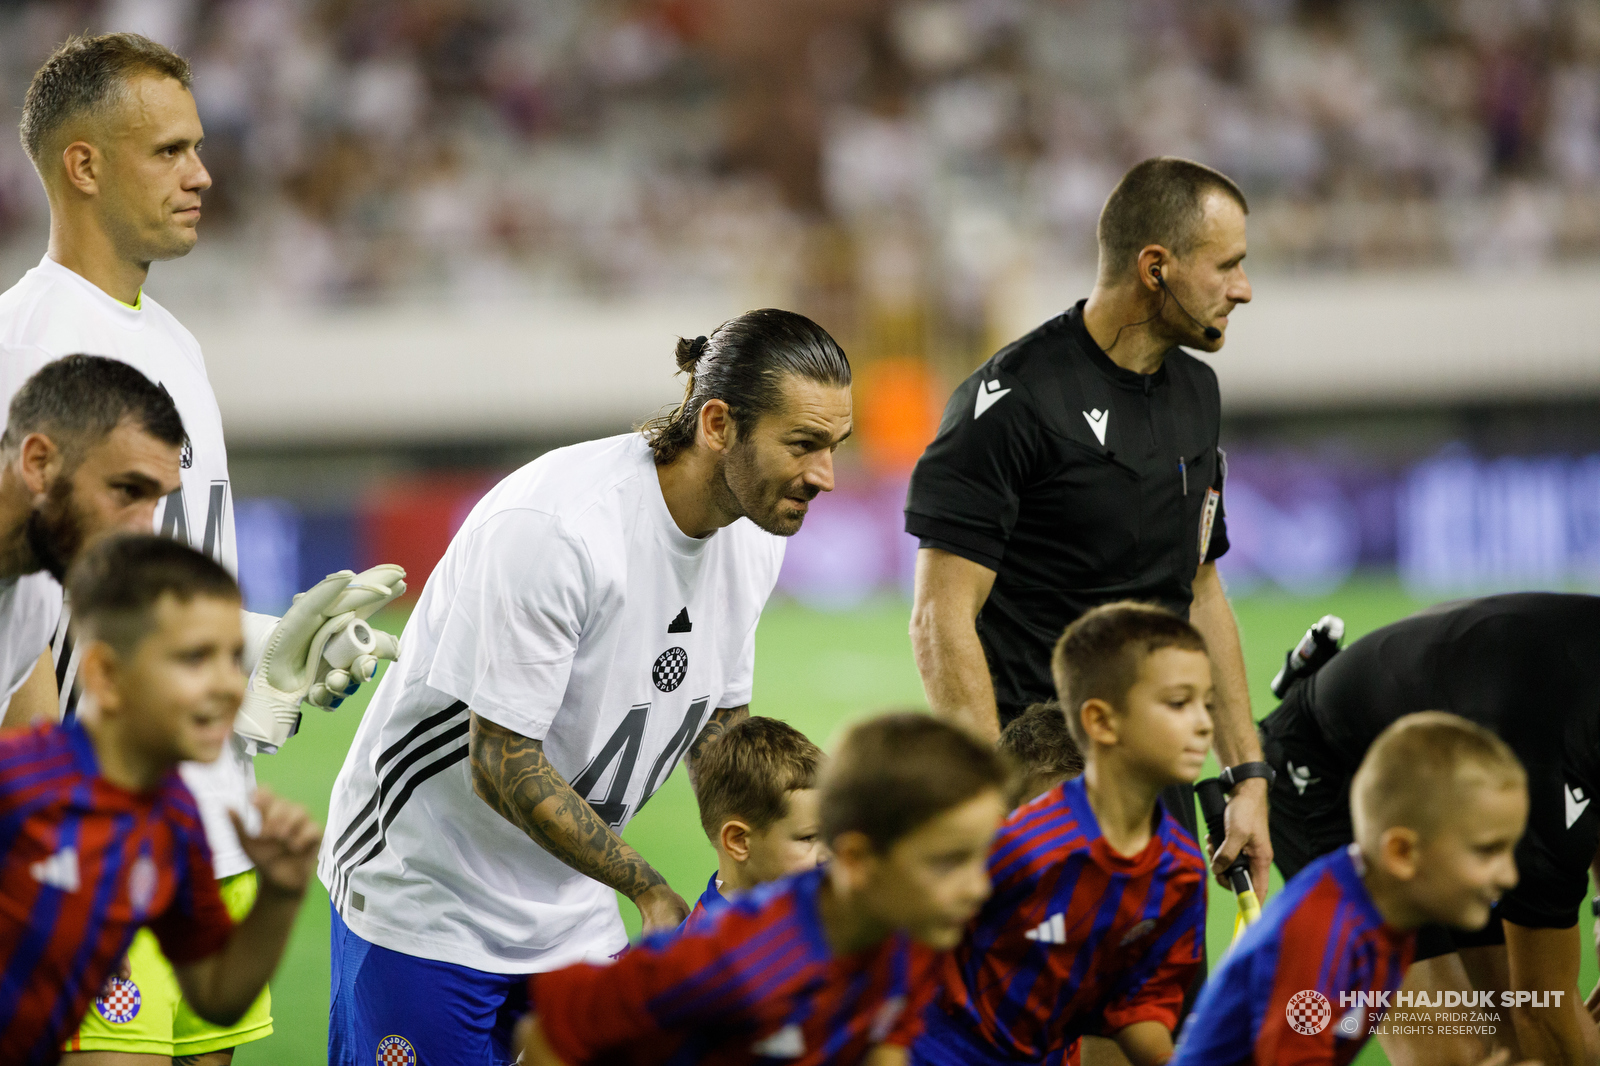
point(592, 622)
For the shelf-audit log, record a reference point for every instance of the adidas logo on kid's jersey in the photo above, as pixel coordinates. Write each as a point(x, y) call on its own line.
point(1053, 930)
point(58, 871)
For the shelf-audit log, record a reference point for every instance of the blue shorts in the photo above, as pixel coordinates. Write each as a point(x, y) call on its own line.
point(386, 1006)
point(946, 1041)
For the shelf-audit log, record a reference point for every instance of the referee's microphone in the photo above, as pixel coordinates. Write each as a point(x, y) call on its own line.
point(1211, 332)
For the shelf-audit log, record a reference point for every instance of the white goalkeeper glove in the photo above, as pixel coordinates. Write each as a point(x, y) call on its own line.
point(349, 656)
point(286, 670)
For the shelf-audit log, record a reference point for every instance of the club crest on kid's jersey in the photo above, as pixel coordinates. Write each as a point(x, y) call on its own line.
point(1143, 929)
point(142, 882)
point(396, 1051)
point(883, 1021)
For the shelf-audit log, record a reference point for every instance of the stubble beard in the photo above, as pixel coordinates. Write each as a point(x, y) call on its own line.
point(743, 492)
point(54, 531)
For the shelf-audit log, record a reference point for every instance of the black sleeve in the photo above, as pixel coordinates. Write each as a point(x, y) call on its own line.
point(1552, 858)
point(967, 487)
point(1218, 545)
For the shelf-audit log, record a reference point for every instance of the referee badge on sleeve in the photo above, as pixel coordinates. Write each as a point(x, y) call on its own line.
point(1208, 517)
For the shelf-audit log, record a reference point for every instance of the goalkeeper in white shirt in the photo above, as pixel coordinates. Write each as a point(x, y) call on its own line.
point(592, 623)
point(113, 131)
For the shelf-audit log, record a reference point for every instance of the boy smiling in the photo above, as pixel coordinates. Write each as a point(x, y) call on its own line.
point(1097, 919)
point(101, 835)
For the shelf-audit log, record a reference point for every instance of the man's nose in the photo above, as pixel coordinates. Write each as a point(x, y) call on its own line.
point(819, 472)
point(199, 178)
point(1240, 293)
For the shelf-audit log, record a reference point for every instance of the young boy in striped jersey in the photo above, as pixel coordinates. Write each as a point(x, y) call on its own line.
point(1438, 806)
point(834, 965)
point(1042, 750)
point(98, 834)
point(757, 789)
point(1098, 913)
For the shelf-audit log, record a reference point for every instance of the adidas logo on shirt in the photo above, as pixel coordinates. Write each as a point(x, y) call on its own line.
point(58, 871)
point(1053, 930)
point(786, 1043)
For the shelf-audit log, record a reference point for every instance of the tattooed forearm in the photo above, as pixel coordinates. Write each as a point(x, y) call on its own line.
point(511, 774)
point(722, 720)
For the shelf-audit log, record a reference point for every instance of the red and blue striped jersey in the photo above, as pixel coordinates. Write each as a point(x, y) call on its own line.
point(1276, 998)
point(1076, 939)
point(711, 902)
point(84, 864)
point(757, 981)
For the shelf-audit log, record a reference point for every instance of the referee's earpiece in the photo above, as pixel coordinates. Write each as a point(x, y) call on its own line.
point(1211, 332)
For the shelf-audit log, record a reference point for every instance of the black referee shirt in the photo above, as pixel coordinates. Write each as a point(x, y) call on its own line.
point(1521, 665)
point(1078, 483)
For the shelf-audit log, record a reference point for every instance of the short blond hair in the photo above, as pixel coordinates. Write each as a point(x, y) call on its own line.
point(1422, 766)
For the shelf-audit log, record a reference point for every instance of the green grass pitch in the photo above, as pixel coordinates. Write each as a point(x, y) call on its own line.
point(813, 669)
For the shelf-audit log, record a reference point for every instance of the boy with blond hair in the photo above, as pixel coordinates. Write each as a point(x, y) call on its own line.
point(1438, 805)
point(1097, 920)
point(757, 790)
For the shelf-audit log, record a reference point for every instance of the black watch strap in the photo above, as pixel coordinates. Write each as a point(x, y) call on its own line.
point(1232, 775)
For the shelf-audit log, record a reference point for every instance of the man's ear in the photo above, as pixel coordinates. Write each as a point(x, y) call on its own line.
point(1099, 721)
point(41, 461)
point(98, 673)
point(1398, 852)
point(716, 425)
point(735, 839)
point(81, 162)
point(1153, 261)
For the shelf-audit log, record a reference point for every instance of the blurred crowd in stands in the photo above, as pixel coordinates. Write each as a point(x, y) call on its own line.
point(894, 160)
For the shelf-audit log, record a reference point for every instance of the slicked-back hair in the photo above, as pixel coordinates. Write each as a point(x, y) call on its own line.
point(1100, 656)
point(89, 74)
point(743, 363)
point(749, 771)
point(116, 583)
point(78, 400)
point(1160, 201)
point(1421, 767)
point(891, 775)
point(1039, 742)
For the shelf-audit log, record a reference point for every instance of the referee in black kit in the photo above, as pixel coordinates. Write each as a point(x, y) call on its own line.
point(1080, 466)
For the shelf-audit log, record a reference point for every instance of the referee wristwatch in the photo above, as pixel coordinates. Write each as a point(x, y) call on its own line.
point(1231, 776)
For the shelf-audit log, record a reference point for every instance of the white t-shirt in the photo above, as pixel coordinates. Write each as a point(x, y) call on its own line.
point(54, 312)
point(29, 607)
point(570, 608)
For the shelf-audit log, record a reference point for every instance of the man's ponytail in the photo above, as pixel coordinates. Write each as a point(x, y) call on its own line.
point(743, 363)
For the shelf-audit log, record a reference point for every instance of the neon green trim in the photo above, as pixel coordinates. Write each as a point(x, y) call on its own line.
point(136, 305)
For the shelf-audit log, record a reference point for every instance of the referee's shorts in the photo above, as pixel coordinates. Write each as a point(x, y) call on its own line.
point(1311, 809)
